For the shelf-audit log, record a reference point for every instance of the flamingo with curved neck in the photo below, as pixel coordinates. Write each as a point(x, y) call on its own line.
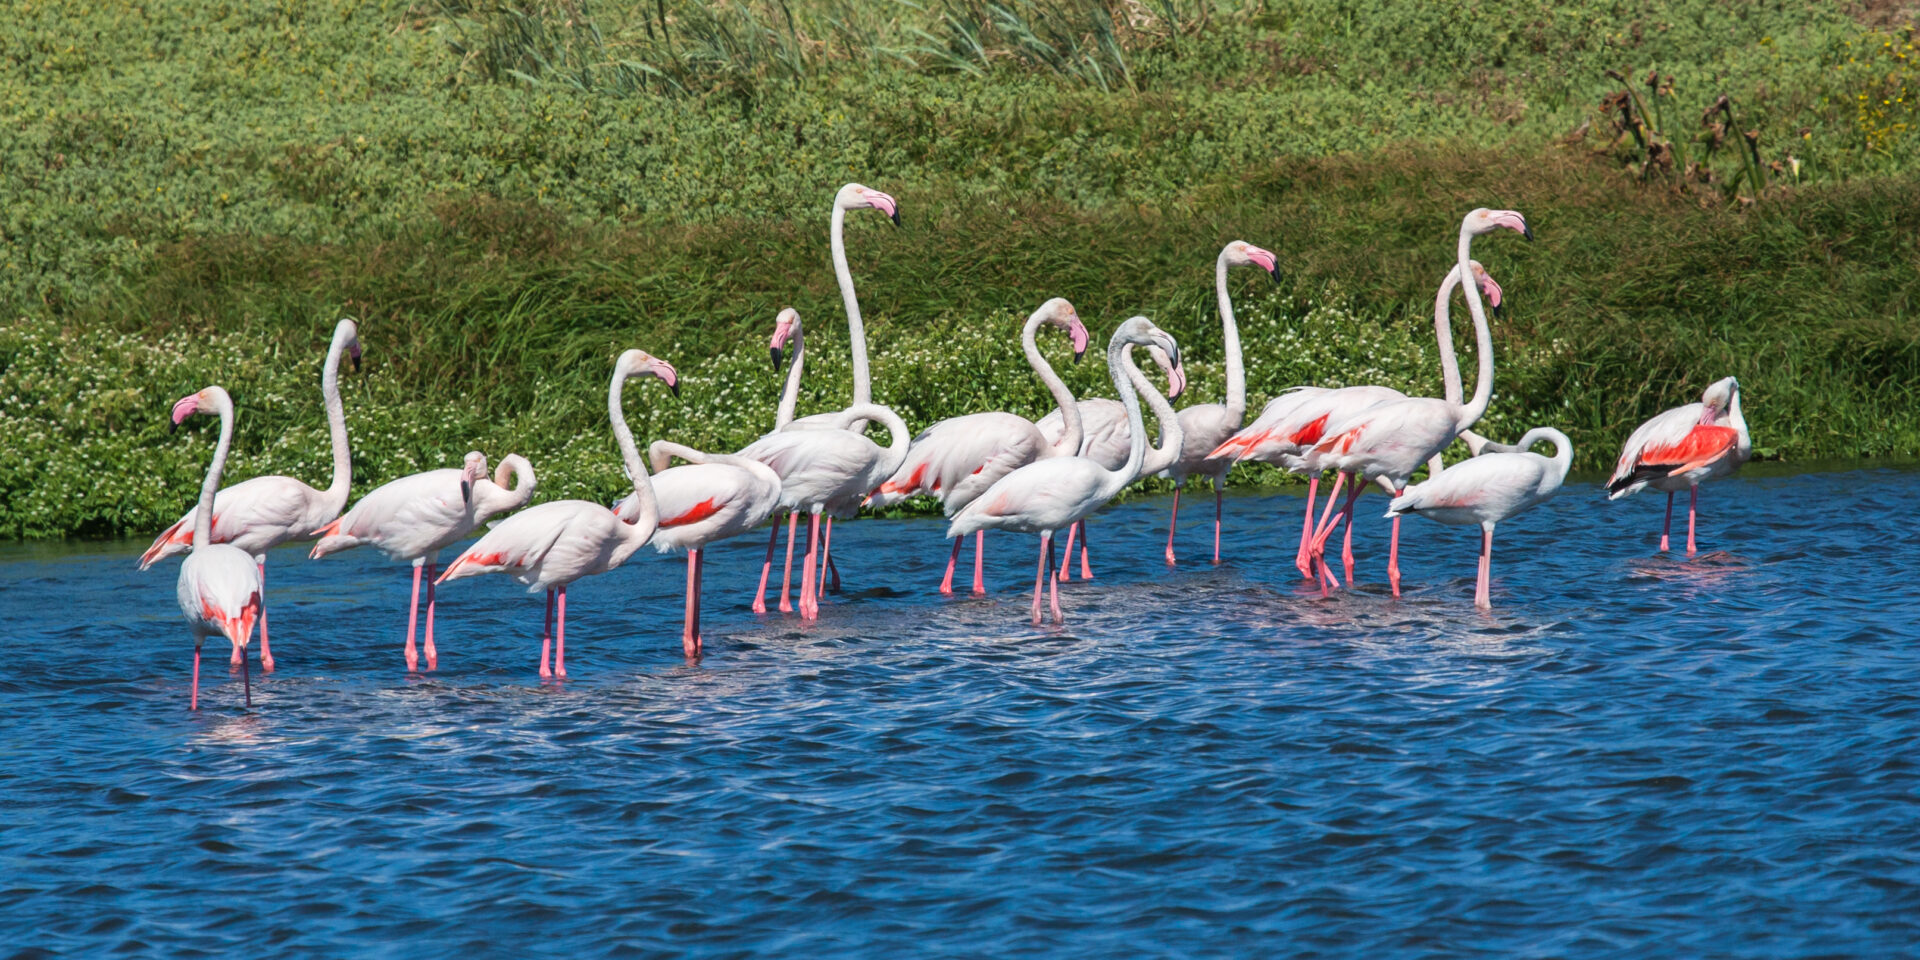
point(1487, 489)
point(219, 585)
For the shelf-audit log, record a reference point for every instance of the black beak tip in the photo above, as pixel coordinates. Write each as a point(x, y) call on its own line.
point(776, 359)
point(1079, 355)
point(173, 426)
point(1275, 274)
point(675, 387)
point(356, 364)
point(1499, 310)
point(895, 217)
point(466, 492)
point(1528, 233)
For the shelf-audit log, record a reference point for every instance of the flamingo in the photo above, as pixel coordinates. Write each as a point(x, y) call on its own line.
point(1683, 448)
point(413, 518)
point(713, 497)
point(219, 586)
point(958, 458)
point(1387, 442)
point(827, 471)
point(1049, 495)
point(1204, 426)
point(550, 545)
point(1489, 488)
point(259, 514)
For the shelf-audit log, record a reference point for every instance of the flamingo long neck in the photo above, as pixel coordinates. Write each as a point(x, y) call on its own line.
point(1069, 442)
point(337, 490)
point(1117, 480)
point(203, 515)
point(900, 437)
point(791, 396)
point(1230, 338)
point(1167, 450)
point(1443, 332)
point(1562, 447)
point(1482, 336)
point(856, 331)
point(495, 496)
point(644, 523)
point(1739, 423)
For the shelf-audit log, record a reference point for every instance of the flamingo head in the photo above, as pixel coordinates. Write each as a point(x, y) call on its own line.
point(1176, 374)
point(349, 332)
point(1142, 332)
point(786, 328)
point(639, 363)
point(1484, 221)
point(1057, 312)
point(1488, 288)
point(207, 400)
point(853, 196)
point(472, 471)
point(1240, 253)
point(1719, 397)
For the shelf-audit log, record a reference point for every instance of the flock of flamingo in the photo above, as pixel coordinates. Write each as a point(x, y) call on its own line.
point(989, 471)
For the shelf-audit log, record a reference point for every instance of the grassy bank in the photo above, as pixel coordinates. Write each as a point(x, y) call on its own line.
point(503, 231)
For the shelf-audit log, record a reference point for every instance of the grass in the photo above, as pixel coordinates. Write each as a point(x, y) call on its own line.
point(196, 197)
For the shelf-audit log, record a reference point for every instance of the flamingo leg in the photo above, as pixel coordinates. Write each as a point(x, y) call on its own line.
point(1692, 504)
point(1480, 590)
point(766, 568)
point(786, 579)
point(560, 634)
point(1304, 559)
point(809, 606)
point(1086, 571)
point(1066, 569)
point(1346, 547)
point(546, 636)
point(433, 656)
point(1053, 585)
point(1393, 554)
point(1041, 570)
point(1668, 526)
point(946, 582)
point(1317, 548)
point(193, 701)
point(690, 637)
point(1218, 511)
point(1173, 523)
point(266, 654)
point(246, 677)
point(979, 563)
point(413, 614)
point(826, 553)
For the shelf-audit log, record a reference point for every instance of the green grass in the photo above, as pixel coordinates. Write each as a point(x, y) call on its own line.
point(194, 193)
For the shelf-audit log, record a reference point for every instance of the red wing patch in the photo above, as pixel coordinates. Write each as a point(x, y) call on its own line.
point(700, 511)
point(1237, 442)
point(237, 627)
point(1310, 433)
point(912, 482)
point(1700, 446)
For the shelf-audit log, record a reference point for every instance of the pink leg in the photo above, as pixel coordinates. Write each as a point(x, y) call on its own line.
point(546, 636)
point(1668, 526)
point(1393, 553)
point(1066, 569)
point(786, 579)
point(766, 569)
point(690, 626)
point(979, 563)
point(1693, 502)
point(809, 606)
point(1173, 523)
point(266, 653)
point(1346, 548)
point(1040, 574)
point(1218, 509)
point(1317, 548)
point(1480, 590)
point(826, 552)
point(1304, 559)
point(433, 657)
point(946, 582)
point(193, 701)
point(1086, 570)
point(560, 633)
point(1053, 585)
point(413, 615)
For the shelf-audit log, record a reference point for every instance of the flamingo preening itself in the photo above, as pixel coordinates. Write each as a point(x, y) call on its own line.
point(1489, 488)
point(219, 585)
point(958, 458)
point(259, 514)
point(413, 518)
point(1049, 495)
point(1682, 448)
point(551, 545)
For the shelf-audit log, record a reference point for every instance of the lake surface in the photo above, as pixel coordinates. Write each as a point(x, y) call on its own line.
point(1633, 755)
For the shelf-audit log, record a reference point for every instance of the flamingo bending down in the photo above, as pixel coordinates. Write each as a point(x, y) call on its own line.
point(827, 471)
point(413, 518)
point(1489, 488)
point(1683, 448)
point(550, 545)
point(219, 586)
point(1205, 426)
point(1050, 495)
point(259, 514)
point(1387, 442)
point(958, 458)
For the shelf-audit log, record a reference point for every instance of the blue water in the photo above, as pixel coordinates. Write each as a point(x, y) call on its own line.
point(1633, 755)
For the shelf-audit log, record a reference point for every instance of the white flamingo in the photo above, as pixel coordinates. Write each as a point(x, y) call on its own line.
point(413, 518)
point(550, 545)
point(259, 514)
point(1050, 495)
point(1489, 488)
point(958, 458)
point(219, 586)
point(1683, 448)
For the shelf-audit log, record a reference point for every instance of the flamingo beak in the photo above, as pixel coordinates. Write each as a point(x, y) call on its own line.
point(466, 491)
point(353, 353)
point(894, 215)
point(775, 351)
point(1526, 231)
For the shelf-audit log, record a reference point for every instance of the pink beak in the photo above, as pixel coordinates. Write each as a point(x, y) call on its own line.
point(185, 407)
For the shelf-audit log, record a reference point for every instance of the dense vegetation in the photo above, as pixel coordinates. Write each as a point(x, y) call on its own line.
point(507, 196)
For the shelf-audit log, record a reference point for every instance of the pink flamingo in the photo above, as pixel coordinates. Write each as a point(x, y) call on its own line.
point(413, 518)
point(1683, 448)
point(713, 497)
point(826, 471)
point(550, 545)
point(219, 586)
point(259, 514)
point(1489, 488)
point(1052, 494)
point(958, 458)
point(1207, 425)
point(1387, 442)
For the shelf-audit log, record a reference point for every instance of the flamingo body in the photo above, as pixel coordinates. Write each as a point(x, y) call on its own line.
point(701, 503)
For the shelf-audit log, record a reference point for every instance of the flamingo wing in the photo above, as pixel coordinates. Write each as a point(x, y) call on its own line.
point(958, 458)
point(1698, 447)
point(253, 514)
point(1043, 495)
point(1490, 487)
point(522, 544)
point(704, 502)
point(407, 517)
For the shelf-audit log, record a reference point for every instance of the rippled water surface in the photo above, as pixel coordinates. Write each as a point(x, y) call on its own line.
point(1633, 755)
